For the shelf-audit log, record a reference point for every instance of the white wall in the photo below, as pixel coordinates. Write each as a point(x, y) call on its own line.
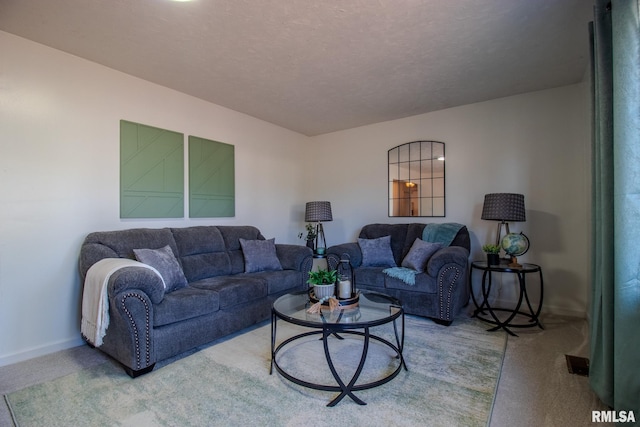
point(536, 144)
point(59, 179)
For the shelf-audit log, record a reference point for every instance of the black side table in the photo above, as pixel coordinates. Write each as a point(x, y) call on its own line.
point(484, 307)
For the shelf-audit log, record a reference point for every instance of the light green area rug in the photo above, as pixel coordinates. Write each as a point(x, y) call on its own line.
point(452, 377)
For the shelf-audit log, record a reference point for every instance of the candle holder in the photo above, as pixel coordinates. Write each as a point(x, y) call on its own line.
point(346, 279)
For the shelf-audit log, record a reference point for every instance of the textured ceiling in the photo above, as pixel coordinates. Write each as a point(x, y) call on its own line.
point(321, 66)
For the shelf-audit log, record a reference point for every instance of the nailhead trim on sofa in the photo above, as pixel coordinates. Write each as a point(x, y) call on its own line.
point(135, 329)
point(447, 315)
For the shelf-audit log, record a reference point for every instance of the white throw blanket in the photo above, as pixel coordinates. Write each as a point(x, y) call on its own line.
point(95, 300)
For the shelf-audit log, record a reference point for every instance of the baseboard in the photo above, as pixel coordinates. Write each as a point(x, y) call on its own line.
point(39, 351)
point(563, 311)
point(546, 308)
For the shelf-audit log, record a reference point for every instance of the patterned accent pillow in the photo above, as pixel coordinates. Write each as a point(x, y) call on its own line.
point(419, 254)
point(260, 255)
point(167, 265)
point(377, 252)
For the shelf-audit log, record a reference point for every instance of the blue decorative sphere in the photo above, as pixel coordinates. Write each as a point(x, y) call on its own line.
point(515, 244)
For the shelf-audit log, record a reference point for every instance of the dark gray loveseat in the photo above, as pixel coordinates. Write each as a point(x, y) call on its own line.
point(440, 290)
point(148, 324)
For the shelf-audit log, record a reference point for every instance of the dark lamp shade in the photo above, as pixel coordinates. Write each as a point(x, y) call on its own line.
point(318, 211)
point(503, 207)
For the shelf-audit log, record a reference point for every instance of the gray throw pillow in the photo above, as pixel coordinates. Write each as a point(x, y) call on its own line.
point(167, 265)
point(377, 252)
point(260, 255)
point(419, 254)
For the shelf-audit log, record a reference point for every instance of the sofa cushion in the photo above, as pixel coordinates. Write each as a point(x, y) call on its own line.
point(167, 265)
point(424, 284)
point(235, 289)
point(202, 252)
point(232, 235)
point(377, 252)
point(260, 255)
point(419, 254)
point(370, 276)
point(201, 266)
point(280, 281)
point(185, 303)
point(198, 240)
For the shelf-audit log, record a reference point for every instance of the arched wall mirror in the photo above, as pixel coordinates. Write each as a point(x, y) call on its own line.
point(416, 179)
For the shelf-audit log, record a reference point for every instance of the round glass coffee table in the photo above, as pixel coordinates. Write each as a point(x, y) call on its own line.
point(373, 309)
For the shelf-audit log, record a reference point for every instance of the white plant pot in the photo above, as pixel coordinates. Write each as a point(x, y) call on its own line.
point(322, 291)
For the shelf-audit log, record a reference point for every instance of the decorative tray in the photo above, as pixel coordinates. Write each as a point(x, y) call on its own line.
point(343, 302)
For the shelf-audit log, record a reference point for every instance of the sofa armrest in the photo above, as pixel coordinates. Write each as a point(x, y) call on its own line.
point(292, 257)
point(451, 254)
point(130, 337)
point(139, 278)
point(351, 249)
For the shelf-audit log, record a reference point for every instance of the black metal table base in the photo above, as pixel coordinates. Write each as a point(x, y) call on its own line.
point(344, 388)
point(484, 307)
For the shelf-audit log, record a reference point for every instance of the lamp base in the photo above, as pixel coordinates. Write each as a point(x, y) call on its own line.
point(499, 231)
point(320, 240)
point(514, 263)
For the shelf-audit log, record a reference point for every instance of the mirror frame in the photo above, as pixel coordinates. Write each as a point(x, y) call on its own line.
point(416, 179)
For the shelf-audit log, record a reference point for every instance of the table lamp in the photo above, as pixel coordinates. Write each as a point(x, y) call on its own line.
point(503, 207)
point(318, 212)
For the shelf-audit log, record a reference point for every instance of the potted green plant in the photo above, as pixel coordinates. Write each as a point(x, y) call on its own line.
point(310, 236)
point(323, 282)
point(493, 253)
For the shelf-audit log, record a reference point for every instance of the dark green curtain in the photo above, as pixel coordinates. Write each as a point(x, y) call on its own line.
point(615, 311)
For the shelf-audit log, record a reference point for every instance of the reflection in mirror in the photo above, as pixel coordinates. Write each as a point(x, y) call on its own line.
point(416, 179)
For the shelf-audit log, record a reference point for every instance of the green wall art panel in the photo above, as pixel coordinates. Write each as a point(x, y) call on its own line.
point(151, 172)
point(211, 178)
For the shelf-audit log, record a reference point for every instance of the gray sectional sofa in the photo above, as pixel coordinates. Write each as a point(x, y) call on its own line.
point(439, 289)
point(225, 280)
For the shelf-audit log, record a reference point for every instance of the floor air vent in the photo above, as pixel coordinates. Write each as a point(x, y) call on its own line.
point(578, 365)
